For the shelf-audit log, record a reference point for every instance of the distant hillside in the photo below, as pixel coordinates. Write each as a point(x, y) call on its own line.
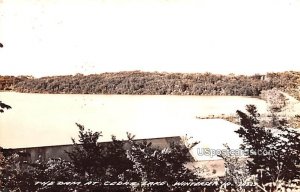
point(7, 82)
point(154, 83)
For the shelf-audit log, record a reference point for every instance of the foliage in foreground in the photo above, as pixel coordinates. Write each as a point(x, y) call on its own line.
point(124, 161)
point(275, 150)
point(272, 154)
point(4, 106)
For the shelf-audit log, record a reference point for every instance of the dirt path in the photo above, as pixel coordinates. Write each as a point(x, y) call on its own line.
point(293, 105)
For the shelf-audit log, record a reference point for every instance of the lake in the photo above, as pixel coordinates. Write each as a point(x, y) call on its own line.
point(44, 119)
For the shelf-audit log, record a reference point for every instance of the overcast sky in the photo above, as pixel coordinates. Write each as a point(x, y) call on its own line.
point(56, 37)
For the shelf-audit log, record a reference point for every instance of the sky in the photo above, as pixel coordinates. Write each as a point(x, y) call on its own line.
point(59, 37)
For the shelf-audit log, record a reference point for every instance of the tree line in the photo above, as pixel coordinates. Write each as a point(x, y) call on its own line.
point(155, 83)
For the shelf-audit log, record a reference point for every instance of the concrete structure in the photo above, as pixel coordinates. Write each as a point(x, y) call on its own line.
point(59, 151)
point(211, 133)
point(211, 168)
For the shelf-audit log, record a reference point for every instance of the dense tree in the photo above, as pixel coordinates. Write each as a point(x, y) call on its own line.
point(236, 170)
point(128, 161)
point(274, 154)
point(146, 83)
point(161, 165)
point(98, 161)
point(270, 156)
point(275, 99)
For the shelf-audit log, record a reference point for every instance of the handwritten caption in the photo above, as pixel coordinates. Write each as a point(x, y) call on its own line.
point(143, 184)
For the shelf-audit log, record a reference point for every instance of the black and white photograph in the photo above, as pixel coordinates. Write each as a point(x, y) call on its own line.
point(150, 95)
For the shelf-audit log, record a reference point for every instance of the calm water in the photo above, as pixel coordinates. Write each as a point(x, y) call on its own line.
point(42, 119)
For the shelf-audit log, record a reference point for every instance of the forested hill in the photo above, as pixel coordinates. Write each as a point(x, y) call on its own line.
point(154, 83)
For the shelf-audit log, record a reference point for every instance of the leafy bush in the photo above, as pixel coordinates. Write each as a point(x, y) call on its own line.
point(122, 161)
